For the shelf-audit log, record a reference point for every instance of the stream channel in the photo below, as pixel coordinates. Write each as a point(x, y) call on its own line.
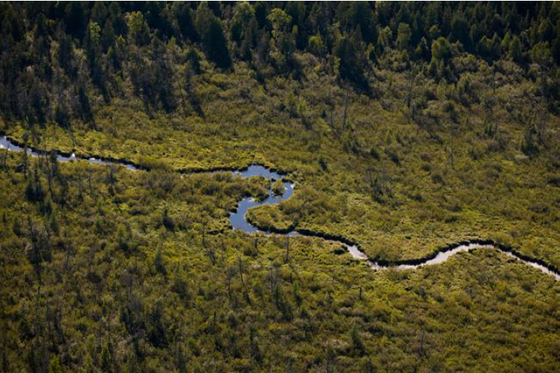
point(238, 218)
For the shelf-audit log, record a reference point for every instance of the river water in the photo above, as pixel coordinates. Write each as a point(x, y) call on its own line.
point(238, 218)
point(5, 143)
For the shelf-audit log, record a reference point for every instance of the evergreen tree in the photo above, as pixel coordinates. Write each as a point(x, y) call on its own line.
point(242, 16)
point(460, 29)
point(515, 49)
point(215, 44)
point(84, 103)
point(186, 22)
point(108, 37)
point(138, 29)
point(350, 66)
point(283, 41)
point(99, 13)
point(75, 19)
point(404, 36)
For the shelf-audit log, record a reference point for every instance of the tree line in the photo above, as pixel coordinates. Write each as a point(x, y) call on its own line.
point(59, 60)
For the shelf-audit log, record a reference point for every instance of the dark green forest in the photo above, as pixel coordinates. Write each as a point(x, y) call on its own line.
point(405, 126)
point(59, 60)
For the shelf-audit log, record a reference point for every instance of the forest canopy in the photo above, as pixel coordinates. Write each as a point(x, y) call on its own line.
point(59, 59)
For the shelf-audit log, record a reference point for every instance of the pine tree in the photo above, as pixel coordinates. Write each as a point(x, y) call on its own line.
point(404, 36)
point(215, 44)
point(515, 49)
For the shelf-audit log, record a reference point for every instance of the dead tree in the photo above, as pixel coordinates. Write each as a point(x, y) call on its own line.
point(345, 110)
point(287, 249)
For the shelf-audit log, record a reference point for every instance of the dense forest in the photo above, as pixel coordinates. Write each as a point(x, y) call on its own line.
point(59, 60)
point(405, 127)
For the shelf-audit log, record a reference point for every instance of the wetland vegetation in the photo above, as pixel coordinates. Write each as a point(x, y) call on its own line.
point(406, 127)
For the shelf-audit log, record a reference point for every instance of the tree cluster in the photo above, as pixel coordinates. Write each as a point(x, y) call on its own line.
point(59, 61)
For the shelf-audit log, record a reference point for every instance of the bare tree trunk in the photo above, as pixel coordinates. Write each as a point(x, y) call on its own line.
point(332, 106)
point(287, 248)
point(411, 89)
point(204, 235)
point(230, 274)
point(246, 290)
point(452, 146)
point(421, 349)
point(183, 101)
point(240, 268)
point(25, 161)
point(345, 110)
point(4, 158)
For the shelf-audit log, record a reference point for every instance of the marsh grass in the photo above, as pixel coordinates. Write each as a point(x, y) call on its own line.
point(137, 256)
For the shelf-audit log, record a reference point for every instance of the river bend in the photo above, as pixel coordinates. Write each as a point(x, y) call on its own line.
point(238, 218)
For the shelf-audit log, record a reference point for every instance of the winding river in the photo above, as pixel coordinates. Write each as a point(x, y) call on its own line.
point(238, 218)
